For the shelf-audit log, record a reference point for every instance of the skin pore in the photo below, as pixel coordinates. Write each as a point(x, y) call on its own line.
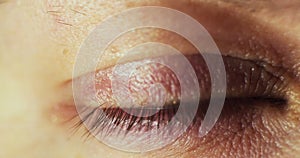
point(39, 42)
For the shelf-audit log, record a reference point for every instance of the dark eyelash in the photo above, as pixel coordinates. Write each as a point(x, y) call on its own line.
point(124, 120)
point(130, 123)
point(75, 127)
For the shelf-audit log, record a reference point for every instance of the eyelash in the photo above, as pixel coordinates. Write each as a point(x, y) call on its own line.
point(257, 88)
point(127, 121)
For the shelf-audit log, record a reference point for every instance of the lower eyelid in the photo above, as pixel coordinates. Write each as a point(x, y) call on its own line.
point(243, 131)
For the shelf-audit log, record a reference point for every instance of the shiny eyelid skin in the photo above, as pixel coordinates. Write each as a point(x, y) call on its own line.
point(95, 44)
point(244, 72)
point(236, 68)
point(91, 100)
point(280, 51)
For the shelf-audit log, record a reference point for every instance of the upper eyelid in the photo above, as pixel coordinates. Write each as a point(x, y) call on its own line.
point(266, 40)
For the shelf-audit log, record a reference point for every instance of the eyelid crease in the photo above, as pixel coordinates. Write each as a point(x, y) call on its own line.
point(250, 31)
point(241, 75)
point(278, 73)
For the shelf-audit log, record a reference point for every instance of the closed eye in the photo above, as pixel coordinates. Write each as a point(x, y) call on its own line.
point(256, 116)
point(254, 89)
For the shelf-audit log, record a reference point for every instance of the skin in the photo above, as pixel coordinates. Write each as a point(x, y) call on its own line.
point(37, 54)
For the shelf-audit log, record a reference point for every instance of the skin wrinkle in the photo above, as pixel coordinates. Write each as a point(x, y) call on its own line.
point(288, 41)
point(214, 145)
point(238, 136)
point(272, 43)
point(237, 132)
point(262, 37)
